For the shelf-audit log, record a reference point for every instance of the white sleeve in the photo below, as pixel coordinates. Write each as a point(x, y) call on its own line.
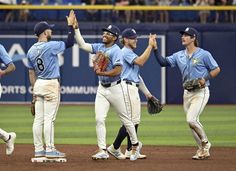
point(82, 44)
point(143, 88)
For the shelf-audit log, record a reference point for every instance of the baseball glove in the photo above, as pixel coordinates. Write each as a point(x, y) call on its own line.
point(100, 62)
point(154, 106)
point(191, 85)
point(32, 107)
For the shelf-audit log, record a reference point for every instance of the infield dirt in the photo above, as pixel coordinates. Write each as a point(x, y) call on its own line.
point(159, 158)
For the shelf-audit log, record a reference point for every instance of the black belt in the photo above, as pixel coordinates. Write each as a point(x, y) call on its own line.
point(110, 84)
point(132, 83)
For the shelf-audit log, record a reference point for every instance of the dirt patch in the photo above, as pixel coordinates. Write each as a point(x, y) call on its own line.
point(158, 158)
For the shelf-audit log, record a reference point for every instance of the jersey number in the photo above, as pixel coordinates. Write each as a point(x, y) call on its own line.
point(40, 64)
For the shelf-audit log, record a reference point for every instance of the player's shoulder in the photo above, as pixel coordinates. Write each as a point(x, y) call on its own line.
point(116, 47)
point(204, 52)
point(179, 53)
point(2, 48)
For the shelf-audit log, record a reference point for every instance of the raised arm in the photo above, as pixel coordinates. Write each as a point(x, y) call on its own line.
point(146, 54)
point(79, 39)
point(71, 33)
point(160, 59)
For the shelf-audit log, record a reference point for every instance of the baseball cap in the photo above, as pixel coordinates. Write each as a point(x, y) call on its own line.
point(41, 27)
point(190, 31)
point(129, 33)
point(112, 29)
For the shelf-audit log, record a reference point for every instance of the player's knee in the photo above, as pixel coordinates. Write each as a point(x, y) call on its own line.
point(100, 121)
point(192, 124)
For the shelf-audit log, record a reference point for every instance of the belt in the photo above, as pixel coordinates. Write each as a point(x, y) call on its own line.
point(106, 85)
point(58, 79)
point(132, 83)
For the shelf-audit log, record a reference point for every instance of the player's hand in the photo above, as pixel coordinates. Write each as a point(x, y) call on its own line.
point(75, 23)
point(152, 39)
point(202, 82)
point(1, 73)
point(70, 18)
point(155, 44)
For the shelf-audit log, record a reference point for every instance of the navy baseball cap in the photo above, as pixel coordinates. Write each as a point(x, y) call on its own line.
point(129, 33)
point(112, 29)
point(190, 31)
point(41, 27)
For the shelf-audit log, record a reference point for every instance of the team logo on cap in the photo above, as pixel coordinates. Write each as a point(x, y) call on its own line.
point(109, 27)
point(133, 31)
point(187, 29)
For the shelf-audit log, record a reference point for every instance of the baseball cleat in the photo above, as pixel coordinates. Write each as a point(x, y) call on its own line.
point(54, 154)
point(196, 156)
point(116, 153)
point(203, 154)
point(135, 152)
point(128, 154)
point(205, 150)
point(10, 143)
point(40, 153)
point(101, 155)
point(48, 160)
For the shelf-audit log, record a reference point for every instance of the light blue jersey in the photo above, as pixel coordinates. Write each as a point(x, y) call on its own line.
point(130, 70)
point(4, 57)
point(43, 58)
point(115, 56)
point(198, 66)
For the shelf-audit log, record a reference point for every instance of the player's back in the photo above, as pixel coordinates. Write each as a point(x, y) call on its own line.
point(43, 58)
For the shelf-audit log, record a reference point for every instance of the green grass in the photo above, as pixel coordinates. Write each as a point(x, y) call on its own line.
point(76, 125)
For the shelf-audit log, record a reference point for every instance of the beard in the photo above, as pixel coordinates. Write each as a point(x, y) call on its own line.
point(49, 37)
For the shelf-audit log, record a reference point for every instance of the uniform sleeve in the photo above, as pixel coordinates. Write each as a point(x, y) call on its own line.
point(95, 47)
point(172, 60)
point(57, 47)
point(210, 62)
point(117, 57)
point(5, 58)
point(130, 57)
point(30, 65)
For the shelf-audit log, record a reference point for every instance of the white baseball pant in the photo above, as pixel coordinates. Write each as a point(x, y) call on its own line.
point(134, 98)
point(46, 106)
point(117, 96)
point(194, 104)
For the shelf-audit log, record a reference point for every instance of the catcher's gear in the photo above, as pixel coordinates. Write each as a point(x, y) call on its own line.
point(192, 85)
point(101, 61)
point(154, 106)
point(32, 107)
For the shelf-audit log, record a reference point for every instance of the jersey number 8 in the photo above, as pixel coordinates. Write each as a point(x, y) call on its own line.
point(40, 64)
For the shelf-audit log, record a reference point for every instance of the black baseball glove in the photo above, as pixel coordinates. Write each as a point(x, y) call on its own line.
point(154, 106)
point(32, 106)
point(191, 85)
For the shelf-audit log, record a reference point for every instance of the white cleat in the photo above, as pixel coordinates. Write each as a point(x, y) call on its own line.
point(48, 160)
point(128, 154)
point(135, 152)
point(204, 152)
point(10, 143)
point(100, 155)
point(198, 153)
point(116, 153)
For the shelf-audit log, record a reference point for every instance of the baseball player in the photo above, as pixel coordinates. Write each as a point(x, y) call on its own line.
point(194, 62)
point(44, 75)
point(130, 76)
point(10, 137)
point(110, 90)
